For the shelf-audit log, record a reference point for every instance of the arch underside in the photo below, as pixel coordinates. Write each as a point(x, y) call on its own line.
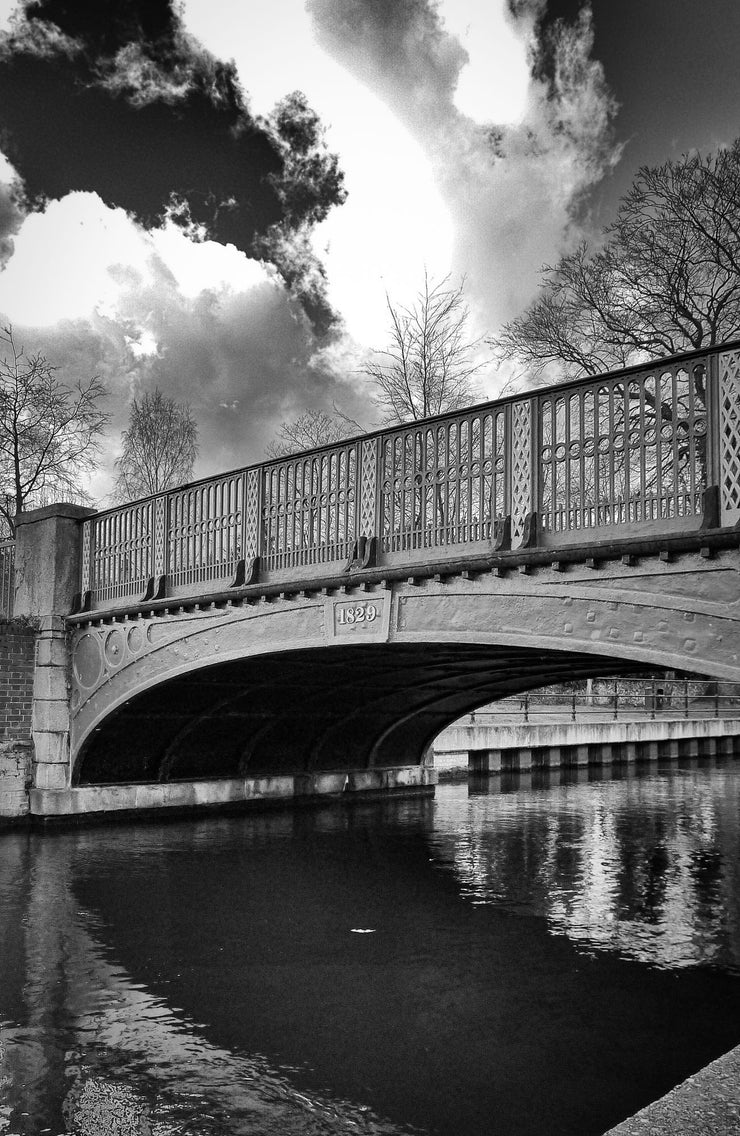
point(332, 708)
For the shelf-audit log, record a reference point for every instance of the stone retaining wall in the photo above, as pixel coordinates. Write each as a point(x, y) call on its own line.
point(509, 747)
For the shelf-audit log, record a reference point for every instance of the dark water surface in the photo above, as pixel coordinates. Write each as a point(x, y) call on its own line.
point(535, 959)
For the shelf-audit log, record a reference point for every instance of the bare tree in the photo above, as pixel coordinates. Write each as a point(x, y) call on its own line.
point(311, 429)
point(666, 279)
point(430, 364)
point(428, 369)
point(49, 432)
point(159, 447)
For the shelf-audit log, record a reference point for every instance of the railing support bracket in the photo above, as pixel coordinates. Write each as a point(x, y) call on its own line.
point(155, 589)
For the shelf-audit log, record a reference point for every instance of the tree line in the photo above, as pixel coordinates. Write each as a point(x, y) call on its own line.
point(665, 277)
point(51, 435)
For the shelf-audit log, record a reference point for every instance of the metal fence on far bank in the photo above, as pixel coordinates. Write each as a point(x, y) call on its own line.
point(620, 700)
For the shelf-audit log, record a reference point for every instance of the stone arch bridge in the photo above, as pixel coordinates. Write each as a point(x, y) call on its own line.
point(310, 625)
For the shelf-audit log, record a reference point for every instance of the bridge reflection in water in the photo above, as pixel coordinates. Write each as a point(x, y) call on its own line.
point(547, 960)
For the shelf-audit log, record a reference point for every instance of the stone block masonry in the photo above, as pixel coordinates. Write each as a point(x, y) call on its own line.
point(17, 671)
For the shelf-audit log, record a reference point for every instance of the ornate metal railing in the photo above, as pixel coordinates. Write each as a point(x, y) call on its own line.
point(629, 452)
point(7, 578)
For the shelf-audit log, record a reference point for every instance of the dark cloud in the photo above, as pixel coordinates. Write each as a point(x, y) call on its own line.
point(113, 96)
point(11, 219)
point(672, 70)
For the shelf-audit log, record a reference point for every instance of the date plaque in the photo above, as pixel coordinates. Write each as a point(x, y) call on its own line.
point(358, 618)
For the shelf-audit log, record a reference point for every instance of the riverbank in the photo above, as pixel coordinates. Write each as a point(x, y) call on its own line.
point(706, 1104)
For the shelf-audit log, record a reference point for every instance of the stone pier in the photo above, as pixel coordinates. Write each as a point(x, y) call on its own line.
point(47, 572)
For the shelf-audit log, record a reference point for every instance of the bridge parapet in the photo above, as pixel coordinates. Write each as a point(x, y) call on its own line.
point(647, 451)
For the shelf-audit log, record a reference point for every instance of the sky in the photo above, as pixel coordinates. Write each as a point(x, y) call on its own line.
point(476, 138)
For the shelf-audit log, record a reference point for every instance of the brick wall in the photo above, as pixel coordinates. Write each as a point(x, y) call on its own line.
point(17, 650)
point(17, 644)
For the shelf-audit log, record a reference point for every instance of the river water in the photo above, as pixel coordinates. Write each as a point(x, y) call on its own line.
point(510, 958)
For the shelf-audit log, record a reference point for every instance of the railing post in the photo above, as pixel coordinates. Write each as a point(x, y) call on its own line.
point(161, 537)
point(87, 569)
point(252, 521)
point(523, 452)
point(368, 511)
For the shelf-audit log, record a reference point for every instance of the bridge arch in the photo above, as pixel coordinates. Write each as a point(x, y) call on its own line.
point(370, 707)
point(262, 689)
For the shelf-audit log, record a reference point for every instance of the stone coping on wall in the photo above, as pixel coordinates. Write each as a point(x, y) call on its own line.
point(706, 1104)
point(94, 800)
point(535, 735)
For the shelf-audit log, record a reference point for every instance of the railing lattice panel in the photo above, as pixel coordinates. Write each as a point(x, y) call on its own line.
point(621, 452)
point(443, 484)
point(205, 531)
point(308, 508)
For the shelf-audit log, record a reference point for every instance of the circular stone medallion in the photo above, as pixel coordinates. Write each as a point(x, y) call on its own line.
point(114, 645)
point(136, 640)
point(87, 661)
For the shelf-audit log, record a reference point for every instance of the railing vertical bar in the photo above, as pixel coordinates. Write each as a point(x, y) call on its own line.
point(612, 455)
point(659, 484)
point(642, 450)
point(535, 448)
point(570, 497)
point(694, 482)
point(629, 453)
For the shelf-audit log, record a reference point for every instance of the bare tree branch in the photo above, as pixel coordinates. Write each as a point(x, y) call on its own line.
point(49, 432)
point(667, 278)
point(311, 429)
point(430, 364)
point(159, 447)
point(428, 369)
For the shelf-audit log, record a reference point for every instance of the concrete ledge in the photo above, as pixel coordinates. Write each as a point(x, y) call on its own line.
point(707, 1104)
point(90, 800)
point(535, 735)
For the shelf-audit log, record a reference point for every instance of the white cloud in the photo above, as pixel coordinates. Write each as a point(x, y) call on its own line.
point(61, 265)
point(493, 85)
point(7, 7)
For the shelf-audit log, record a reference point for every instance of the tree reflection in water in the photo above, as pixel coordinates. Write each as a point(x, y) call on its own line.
point(645, 866)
